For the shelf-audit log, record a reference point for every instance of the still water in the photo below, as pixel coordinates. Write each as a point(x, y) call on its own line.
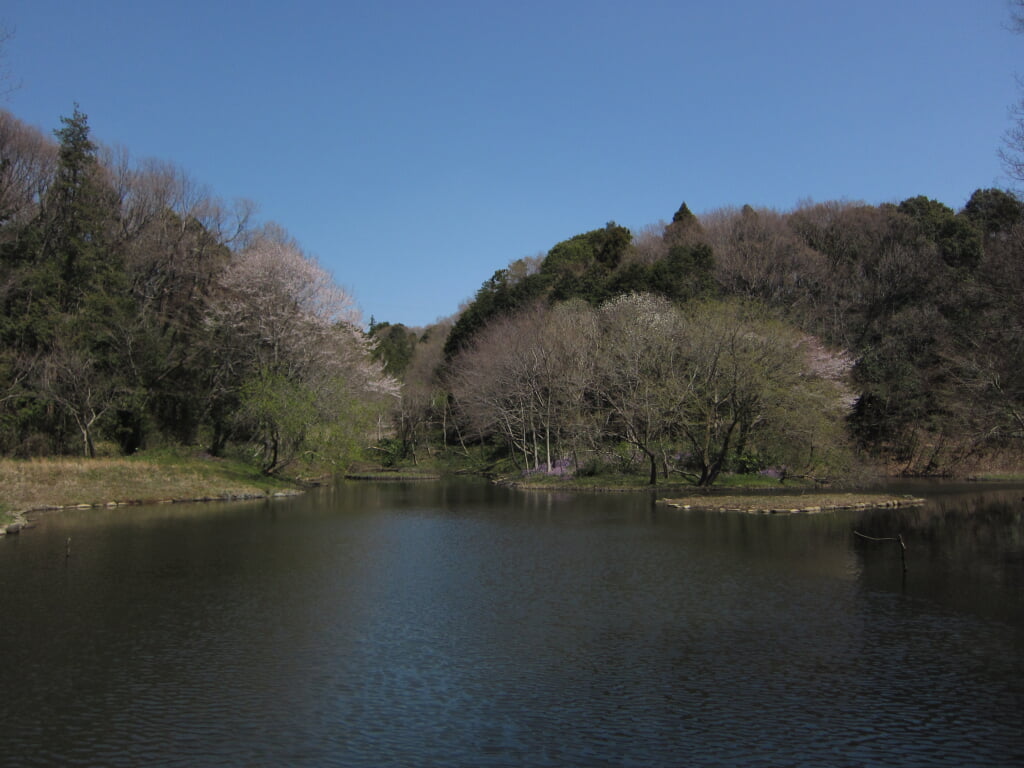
point(467, 625)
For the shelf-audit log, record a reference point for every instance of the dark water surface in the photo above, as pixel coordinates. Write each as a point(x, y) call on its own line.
point(465, 625)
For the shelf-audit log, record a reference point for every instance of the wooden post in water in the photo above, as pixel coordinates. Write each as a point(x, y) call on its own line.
point(903, 550)
point(67, 549)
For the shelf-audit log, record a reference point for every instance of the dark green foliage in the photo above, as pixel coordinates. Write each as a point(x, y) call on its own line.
point(633, 278)
point(687, 273)
point(685, 216)
point(79, 220)
point(897, 375)
point(66, 306)
point(395, 346)
point(957, 239)
point(929, 214)
point(610, 244)
point(497, 297)
point(994, 211)
point(599, 251)
point(580, 267)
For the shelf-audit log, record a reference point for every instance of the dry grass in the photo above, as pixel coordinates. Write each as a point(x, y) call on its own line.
point(45, 483)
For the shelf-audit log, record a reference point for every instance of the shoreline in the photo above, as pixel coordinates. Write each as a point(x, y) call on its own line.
point(35, 486)
point(24, 519)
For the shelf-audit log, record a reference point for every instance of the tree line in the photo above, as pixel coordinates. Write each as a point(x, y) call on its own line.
point(742, 340)
point(137, 310)
point(807, 341)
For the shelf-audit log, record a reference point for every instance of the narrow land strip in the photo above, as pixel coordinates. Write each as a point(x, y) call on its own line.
point(801, 503)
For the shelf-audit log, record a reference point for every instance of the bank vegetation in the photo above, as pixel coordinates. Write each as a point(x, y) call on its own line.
point(138, 313)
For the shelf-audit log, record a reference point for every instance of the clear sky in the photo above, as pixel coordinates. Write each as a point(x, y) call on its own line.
point(414, 148)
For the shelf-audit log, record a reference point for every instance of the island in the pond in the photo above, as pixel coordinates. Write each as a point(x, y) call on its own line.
point(797, 503)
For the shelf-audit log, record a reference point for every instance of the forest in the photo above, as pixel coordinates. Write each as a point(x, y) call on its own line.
point(823, 342)
point(138, 311)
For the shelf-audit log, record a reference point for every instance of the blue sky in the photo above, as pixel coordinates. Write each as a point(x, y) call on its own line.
point(414, 148)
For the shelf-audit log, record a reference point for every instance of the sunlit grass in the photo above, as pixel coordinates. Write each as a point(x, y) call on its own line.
point(160, 476)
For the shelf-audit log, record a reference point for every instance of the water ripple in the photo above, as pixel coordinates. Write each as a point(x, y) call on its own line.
point(369, 636)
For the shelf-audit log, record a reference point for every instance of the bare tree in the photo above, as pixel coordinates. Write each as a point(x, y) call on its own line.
point(690, 390)
point(648, 246)
point(28, 160)
point(71, 380)
point(424, 405)
point(757, 255)
point(1012, 151)
point(696, 389)
point(640, 376)
point(524, 379)
point(7, 85)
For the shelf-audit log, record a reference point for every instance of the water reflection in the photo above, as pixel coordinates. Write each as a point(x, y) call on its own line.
point(462, 624)
point(965, 549)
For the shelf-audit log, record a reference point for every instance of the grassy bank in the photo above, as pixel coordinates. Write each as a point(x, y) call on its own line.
point(153, 477)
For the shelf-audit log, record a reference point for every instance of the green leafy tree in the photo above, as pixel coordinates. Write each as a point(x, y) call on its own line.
point(294, 370)
point(278, 414)
point(80, 219)
point(994, 211)
point(500, 296)
point(758, 387)
point(394, 348)
point(956, 237)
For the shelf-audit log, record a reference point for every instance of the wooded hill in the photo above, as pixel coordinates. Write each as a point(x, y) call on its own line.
point(743, 340)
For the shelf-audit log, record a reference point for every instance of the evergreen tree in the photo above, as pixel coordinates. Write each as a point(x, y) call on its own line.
point(67, 307)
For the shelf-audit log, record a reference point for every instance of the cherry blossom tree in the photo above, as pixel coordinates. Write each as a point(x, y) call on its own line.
point(293, 356)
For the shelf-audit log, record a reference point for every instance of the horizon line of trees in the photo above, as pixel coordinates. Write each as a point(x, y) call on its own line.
point(137, 310)
point(914, 310)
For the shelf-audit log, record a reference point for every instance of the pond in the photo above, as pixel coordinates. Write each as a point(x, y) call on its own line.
point(460, 624)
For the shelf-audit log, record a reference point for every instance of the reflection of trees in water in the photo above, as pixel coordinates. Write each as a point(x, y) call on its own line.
point(976, 517)
point(968, 548)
